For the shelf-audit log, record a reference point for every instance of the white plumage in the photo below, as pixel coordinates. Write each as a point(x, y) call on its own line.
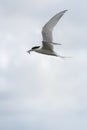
point(47, 43)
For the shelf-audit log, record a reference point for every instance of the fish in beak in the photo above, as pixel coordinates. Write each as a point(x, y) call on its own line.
point(29, 51)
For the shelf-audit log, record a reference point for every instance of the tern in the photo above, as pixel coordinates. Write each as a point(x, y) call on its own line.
point(47, 43)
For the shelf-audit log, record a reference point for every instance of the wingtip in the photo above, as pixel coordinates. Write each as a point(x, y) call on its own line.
point(65, 10)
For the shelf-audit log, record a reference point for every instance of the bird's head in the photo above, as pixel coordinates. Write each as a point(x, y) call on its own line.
point(33, 49)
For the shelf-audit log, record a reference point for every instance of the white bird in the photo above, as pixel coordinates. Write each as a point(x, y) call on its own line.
point(47, 43)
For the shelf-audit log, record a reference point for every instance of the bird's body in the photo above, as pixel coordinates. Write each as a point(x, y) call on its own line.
point(47, 43)
point(45, 51)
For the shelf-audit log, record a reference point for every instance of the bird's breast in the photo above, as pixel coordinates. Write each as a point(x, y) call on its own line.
point(47, 52)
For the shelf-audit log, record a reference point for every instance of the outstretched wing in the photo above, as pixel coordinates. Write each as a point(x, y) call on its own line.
point(49, 45)
point(49, 26)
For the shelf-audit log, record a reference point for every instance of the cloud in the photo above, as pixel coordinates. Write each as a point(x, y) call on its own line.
point(38, 91)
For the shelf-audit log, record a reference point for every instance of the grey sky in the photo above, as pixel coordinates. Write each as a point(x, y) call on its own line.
point(37, 91)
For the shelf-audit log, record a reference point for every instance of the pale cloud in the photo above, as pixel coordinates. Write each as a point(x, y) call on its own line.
point(38, 91)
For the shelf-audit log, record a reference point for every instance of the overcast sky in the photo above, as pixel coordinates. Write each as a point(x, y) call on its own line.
point(39, 92)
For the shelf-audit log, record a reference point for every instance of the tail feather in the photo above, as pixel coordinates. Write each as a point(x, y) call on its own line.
point(64, 57)
point(54, 43)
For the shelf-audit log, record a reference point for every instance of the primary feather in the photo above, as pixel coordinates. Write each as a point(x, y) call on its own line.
point(49, 26)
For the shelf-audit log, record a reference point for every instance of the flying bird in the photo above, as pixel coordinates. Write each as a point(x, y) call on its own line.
point(47, 43)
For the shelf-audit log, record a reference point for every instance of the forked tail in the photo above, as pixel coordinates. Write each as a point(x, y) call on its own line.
point(64, 57)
